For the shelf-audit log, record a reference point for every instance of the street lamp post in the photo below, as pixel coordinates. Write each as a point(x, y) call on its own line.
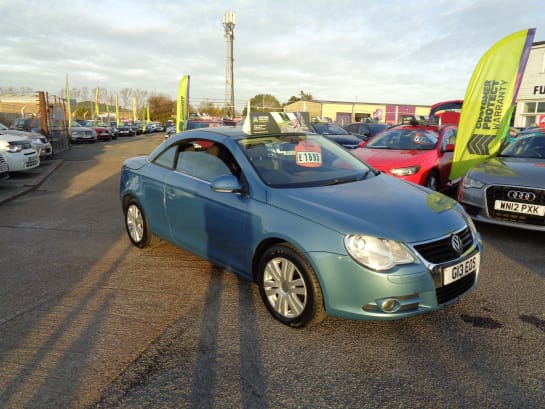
point(229, 21)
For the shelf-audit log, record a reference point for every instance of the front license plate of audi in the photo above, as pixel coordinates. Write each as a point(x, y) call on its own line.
point(462, 269)
point(524, 208)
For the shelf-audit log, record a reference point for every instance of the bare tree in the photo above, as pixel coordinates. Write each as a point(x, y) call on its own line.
point(141, 98)
point(125, 95)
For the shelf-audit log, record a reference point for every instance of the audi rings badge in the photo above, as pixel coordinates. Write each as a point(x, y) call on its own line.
point(518, 195)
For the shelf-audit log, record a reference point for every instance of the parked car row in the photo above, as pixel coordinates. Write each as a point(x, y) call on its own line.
point(104, 132)
point(198, 123)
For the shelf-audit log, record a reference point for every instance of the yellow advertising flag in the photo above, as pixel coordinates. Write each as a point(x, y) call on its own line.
point(97, 111)
point(489, 101)
point(182, 104)
point(134, 109)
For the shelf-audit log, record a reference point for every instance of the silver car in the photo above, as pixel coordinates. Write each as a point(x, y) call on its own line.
point(82, 134)
point(509, 189)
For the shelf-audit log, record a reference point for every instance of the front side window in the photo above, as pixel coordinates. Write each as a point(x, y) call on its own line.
point(206, 160)
point(449, 138)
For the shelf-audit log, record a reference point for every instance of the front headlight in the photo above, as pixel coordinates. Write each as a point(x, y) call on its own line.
point(14, 148)
point(377, 254)
point(469, 182)
point(410, 170)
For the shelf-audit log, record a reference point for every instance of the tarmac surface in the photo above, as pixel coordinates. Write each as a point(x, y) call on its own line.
point(87, 320)
point(20, 183)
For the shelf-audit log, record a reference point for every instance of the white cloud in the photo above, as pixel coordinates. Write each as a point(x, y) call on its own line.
point(416, 52)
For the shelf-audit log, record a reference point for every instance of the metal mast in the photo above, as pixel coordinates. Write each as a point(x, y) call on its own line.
point(229, 21)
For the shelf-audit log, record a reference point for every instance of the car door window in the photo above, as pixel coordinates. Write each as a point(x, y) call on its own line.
point(166, 159)
point(449, 139)
point(206, 164)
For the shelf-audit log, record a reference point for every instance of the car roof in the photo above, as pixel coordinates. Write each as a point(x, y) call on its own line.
point(435, 128)
point(234, 133)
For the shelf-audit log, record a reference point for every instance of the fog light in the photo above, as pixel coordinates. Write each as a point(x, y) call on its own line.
point(389, 305)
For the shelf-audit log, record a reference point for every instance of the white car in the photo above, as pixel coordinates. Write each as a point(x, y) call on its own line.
point(39, 142)
point(18, 153)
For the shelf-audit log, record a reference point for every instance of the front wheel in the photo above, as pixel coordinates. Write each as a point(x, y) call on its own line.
point(289, 287)
point(432, 181)
point(137, 226)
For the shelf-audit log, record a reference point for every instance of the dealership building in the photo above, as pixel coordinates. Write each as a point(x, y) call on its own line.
point(530, 109)
point(344, 113)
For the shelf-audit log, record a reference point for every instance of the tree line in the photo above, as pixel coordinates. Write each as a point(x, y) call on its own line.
point(161, 107)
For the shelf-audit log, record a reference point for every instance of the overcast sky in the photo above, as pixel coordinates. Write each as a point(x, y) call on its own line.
point(406, 52)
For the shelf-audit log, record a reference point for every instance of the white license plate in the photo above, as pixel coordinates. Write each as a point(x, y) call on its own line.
point(524, 208)
point(462, 269)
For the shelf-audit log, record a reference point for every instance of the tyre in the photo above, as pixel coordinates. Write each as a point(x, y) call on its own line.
point(432, 181)
point(137, 226)
point(289, 287)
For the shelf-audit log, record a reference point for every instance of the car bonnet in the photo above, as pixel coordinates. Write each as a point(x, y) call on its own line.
point(511, 171)
point(384, 159)
point(381, 206)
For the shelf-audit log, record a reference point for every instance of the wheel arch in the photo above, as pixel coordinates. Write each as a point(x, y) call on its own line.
point(260, 249)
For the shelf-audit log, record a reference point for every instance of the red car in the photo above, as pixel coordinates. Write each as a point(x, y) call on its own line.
point(421, 154)
point(103, 131)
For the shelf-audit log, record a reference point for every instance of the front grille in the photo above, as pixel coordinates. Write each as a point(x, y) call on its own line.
point(441, 251)
point(31, 163)
point(3, 165)
point(494, 193)
point(453, 290)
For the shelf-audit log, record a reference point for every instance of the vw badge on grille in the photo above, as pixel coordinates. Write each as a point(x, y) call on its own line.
point(456, 243)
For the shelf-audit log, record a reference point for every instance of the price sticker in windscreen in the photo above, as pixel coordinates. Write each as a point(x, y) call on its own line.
point(308, 154)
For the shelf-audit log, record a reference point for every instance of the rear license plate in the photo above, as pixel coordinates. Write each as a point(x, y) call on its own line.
point(516, 207)
point(460, 270)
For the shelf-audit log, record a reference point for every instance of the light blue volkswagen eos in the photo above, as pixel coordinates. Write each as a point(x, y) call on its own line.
point(319, 231)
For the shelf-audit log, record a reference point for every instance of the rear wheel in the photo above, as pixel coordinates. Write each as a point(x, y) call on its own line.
point(289, 287)
point(137, 226)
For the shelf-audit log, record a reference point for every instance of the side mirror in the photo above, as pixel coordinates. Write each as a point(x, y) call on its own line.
point(226, 184)
point(449, 147)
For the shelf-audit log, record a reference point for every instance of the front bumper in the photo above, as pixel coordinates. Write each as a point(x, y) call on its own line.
point(353, 292)
point(20, 162)
point(479, 208)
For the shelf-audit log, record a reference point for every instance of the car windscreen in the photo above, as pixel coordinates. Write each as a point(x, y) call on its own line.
point(302, 160)
point(329, 129)
point(526, 146)
point(404, 139)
